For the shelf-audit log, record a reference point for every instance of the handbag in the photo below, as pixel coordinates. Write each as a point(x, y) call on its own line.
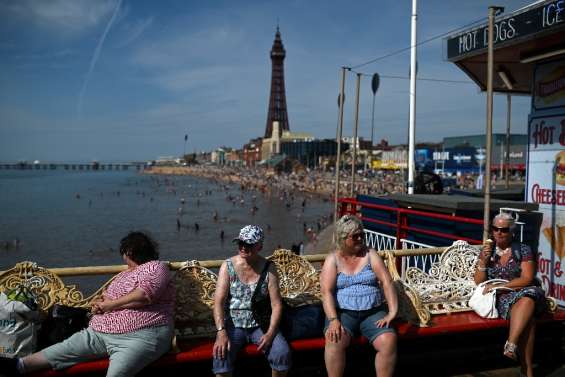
point(485, 304)
point(19, 323)
point(62, 321)
point(261, 305)
point(301, 322)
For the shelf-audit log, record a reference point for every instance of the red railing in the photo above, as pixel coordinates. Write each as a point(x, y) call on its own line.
point(352, 206)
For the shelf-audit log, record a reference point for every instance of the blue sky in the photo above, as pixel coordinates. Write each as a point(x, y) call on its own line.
point(126, 80)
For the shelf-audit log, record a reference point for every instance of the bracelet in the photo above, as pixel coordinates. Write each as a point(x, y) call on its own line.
point(332, 319)
point(482, 269)
point(220, 328)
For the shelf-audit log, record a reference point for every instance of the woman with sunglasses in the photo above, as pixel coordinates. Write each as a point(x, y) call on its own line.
point(354, 285)
point(515, 262)
point(235, 323)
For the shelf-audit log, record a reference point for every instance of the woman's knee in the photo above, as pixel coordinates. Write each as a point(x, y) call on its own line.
point(280, 356)
point(525, 303)
point(342, 343)
point(385, 342)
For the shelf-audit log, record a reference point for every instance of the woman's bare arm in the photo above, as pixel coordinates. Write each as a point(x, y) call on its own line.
point(384, 277)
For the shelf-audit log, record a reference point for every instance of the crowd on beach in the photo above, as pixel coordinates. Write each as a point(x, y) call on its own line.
point(319, 182)
point(309, 181)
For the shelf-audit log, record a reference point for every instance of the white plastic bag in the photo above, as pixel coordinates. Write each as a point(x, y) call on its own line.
point(18, 328)
point(485, 304)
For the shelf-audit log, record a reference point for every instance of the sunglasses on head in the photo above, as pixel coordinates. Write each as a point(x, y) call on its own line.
point(500, 229)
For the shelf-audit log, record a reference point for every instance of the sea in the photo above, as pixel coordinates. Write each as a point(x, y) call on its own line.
point(60, 218)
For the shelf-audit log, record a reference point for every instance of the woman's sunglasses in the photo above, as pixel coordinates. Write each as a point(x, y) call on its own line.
point(245, 245)
point(356, 236)
point(500, 229)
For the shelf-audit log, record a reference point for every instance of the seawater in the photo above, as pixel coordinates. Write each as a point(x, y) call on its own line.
point(62, 218)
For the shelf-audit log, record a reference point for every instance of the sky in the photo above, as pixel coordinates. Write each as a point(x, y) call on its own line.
point(123, 80)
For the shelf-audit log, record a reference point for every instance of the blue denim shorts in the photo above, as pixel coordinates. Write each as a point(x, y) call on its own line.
point(278, 355)
point(362, 322)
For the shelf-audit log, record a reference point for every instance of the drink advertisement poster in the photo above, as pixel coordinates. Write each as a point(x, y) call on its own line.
point(549, 86)
point(546, 187)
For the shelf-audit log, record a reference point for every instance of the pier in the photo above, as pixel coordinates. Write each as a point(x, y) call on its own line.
point(77, 166)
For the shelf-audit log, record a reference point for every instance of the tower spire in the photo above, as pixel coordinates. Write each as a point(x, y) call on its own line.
point(277, 101)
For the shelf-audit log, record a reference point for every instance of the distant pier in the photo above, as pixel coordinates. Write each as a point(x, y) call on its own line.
point(84, 166)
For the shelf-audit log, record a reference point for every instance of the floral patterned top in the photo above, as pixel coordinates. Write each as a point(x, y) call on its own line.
point(240, 298)
point(512, 270)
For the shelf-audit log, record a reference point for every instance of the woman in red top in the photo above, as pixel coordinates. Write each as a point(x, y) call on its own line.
point(132, 323)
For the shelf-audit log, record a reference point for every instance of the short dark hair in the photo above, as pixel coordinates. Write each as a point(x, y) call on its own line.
point(139, 247)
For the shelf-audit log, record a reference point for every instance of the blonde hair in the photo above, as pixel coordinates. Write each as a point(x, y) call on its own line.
point(345, 226)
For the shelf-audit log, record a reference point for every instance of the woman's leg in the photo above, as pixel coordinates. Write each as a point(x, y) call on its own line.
point(383, 340)
point(35, 361)
point(385, 359)
point(133, 351)
point(278, 354)
point(334, 355)
point(237, 338)
point(521, 314)
point(526, 349)
point(81, 346)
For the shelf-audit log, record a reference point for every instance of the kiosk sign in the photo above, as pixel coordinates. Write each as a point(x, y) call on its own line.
point(546, 187)
point(512, 28)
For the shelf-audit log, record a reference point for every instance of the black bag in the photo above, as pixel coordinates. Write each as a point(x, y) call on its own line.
point(301, 322)
point(62, 322)
point(261, 305)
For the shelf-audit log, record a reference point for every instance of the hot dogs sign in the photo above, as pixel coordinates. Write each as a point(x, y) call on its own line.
point(546, 186)
point(546, 174)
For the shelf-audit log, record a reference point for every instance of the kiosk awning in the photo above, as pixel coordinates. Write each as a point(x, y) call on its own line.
point(521, 38)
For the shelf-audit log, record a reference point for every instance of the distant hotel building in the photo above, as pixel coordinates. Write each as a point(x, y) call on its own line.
point(465, 154)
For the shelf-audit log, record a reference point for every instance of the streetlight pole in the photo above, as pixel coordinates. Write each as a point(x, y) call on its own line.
point(508, 114)
point(374, 87)
point(411, 133)
point(340, 101)
point(354, 160)
point(492, 11)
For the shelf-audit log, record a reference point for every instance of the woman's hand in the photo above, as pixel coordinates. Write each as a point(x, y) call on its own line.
point(265, 341)
point(335, 331)
point(385, 321)
point(103, 305)
point(489, 287)
point(486, 253)
point(221, 345)
point(95, 309)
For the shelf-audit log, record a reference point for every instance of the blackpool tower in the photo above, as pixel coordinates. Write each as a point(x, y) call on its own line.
point(277, 100)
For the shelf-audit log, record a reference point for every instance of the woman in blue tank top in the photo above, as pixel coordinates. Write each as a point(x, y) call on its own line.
point(355, 285)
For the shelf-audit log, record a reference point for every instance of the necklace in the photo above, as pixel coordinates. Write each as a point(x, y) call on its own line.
point(500, 252)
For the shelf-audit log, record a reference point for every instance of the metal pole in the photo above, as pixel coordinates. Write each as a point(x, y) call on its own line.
point(411, 133)
point(354, 160)
point(369, 158)
point(490, 65)
point(373, 124)
point(341, 99)
point(508, 115)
